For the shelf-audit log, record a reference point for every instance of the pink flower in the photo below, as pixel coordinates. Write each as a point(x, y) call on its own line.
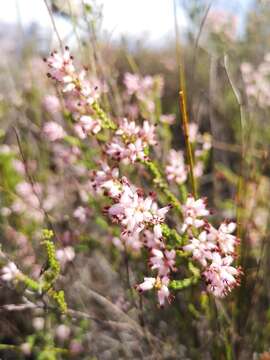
point(135, 213)
point(152, 240)
point(81, 214)
point(167, 119)
point(132, 239)
point(147, 82)
point(128, 128)
point(28, 200)
point(38, 323)
point(201, 248)
point(193, 132)
point(51, 104)
point(86, 125)
point(163, 261)
point(62, 69)
point(79, 93)
point(132, 83)
point(10, 272)
point(75, 347)
point(118, 243)
point(26, 348)
point(53, 131)
point(194, 212)
point(159, 284)
point(65, 255)
point(131, 141)
point(176, 168)
point(106, 179)
point(117, 150)
point(163, 291)
point(148, 284)
point(223, 237)
point(198, 169)
point(128, 153)
point(246, 68)
point(148, 133)
point(220, 276)
point(136, 151)
point(222, 22)
point(19, 166)
point(62, 332)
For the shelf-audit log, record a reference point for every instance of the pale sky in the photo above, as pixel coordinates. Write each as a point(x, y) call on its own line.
point(153, 19)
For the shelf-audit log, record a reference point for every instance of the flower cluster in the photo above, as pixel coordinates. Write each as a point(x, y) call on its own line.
point(131, 209)
point(142, 96)
point(213, 248)
point(53, 131)
point(80, 94)
point(144, 88)
point(131, 141)
point(138, 215)
point(256, 82)
point(140, 220)
point(176, 169)
point(222, 23)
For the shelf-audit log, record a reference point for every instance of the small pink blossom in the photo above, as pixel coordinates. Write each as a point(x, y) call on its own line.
point(132, 83)
point(201, 248)
point(194, 212)
point(220, 276)
point(38, 323)
point(62, 332)
point(159, 284)
point(81, 213)
point(148, 133)
point(52, 104)
point(223, 237)
point(26, 348)
point(61, 67)
point(9, 272)
point(176, 168)
point(193, 132)
point(87, 125)
point(168, 119)
point(53, 131)
point(128, 128)
point(153, 240)
point(135, 151)
point(198, 169)
point(163, 261)
point(65, 255)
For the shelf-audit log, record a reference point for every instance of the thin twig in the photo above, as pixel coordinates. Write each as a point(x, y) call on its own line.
point(54, 24)
point(240, 191)
point(128, 277)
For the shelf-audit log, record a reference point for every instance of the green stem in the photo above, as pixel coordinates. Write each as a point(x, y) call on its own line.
point(183, 108)
point(162, 184)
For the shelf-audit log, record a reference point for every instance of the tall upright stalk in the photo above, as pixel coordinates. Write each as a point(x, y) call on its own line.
point(183, 106)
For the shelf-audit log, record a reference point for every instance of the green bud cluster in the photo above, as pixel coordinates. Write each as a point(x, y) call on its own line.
point(54, 267)
point(59, 298)
point(107, 123)
point(171, 235)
